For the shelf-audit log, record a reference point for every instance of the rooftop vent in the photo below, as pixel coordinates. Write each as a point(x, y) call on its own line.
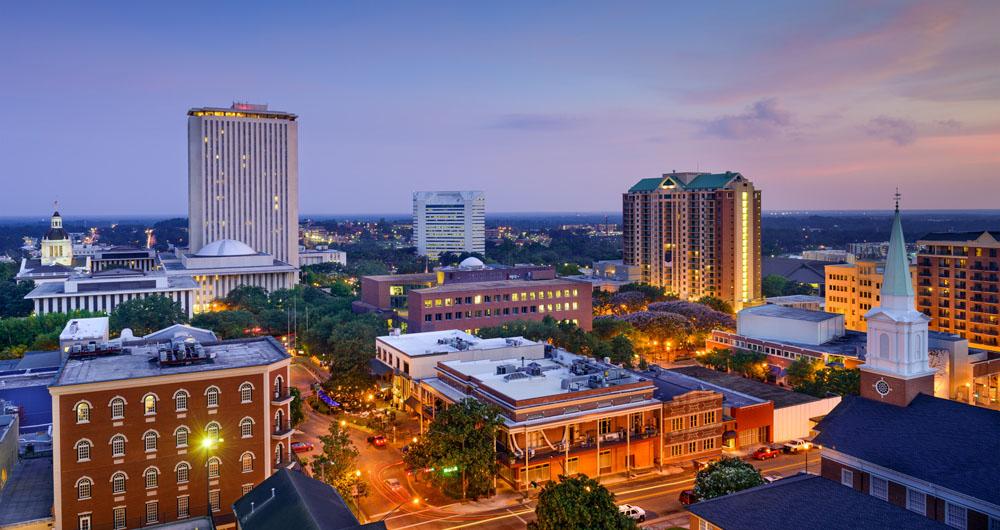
point(94, 349)
point(182, 352)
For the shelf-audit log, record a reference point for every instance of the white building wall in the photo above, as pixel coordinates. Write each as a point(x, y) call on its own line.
point(449, 221)
point(793, 422)
point(780, 329)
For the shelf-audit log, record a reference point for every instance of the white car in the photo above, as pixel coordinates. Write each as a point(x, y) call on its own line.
point(633, 512)
point(795, 446)
point(771, 478)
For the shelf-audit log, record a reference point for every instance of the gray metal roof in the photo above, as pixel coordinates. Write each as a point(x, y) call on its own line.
point(792, 313)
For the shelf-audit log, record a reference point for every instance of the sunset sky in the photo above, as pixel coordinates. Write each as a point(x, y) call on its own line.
point(547, 106)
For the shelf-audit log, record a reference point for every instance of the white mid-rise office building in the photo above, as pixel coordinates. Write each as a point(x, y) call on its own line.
point(449, 221)
point(243, 179)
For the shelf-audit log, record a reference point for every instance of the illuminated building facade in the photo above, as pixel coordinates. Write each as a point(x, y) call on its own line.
point(449, 221)
point(852, 289)
point(243, 179)
point(696, 234)
point(57, 247)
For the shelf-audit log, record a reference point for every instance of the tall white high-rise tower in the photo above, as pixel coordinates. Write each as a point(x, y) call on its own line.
point(896, 365)
point(243, 179)
point(449, 221)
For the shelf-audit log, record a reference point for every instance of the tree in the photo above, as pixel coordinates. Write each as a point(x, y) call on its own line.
point(146, 315)
point(773, 285)
point(656, 330)
point(719, 359)
point(652, 293)
point(337, 463)
point(12, 293)
point(460, 448)
point(750, 364)
point(717, 304)
point(625, 302)
point(726, 476)
point(803, 370)
point(578, 502)
point(839, 381)
point(226, 324)
point(295, 409)
point(248, 298)
point(36, 332)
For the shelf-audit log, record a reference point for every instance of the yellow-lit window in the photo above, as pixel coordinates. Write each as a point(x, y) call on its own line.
point(558, 294)
point(559, 307)
point(478, 299)
point(428, 303)
point(437, 302)
point(513, 297)
point(575, 305)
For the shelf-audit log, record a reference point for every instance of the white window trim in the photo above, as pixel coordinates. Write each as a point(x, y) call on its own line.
point(145, 474)
point(112, 481)
point(187, 399)
point(218, 396)
point(76, 411)
point(111, 442)
point(111, 406)
point(871, 487)
point(178, 467)
point(187, 437)
point(156, 404)
point(252, 389)
point(77, 488)
point(923, 504)
point(76, 447)
point(252, 424)
point(253, 460)
point(847, 477)
point(947, 511)
point(147, 433)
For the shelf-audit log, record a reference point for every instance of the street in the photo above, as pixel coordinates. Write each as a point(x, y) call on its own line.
point(391, 491)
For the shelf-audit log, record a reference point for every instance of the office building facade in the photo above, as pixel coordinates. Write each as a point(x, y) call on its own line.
point(449, 221)
point(243, 178)
point(695, 234)
point(852, 289)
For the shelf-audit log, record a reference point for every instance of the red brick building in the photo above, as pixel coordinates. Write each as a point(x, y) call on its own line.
point(471, 306)
point(159, 431)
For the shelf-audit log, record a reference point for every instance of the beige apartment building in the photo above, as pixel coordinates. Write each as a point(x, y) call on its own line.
point(853, 288)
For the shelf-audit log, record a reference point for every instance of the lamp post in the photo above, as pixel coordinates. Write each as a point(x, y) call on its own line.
point(209, 444)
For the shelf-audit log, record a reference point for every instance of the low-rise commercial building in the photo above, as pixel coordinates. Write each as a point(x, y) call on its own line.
point(322, 254)
point(142, 259)
point(471, 306)
point(104, 290)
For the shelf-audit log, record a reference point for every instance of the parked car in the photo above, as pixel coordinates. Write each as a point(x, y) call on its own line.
point(797, 445)
point(687, 497)
point(769, 478)
point(766, 452)
point(377, 440)
point(704, 462)
point(633, 512)
point(302, 447)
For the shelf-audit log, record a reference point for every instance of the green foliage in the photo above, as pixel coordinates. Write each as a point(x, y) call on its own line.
point(719, 359)
point(249, 298)
point(146, 315)
point(36, 332)
point(803, 371)
point(230, 324)
point(348, 345)
point(717, 304)
point(578, 502)
point(839, 381)
point(567, 269)
point(611, 341)
point(462, 437)
point(750, 364)
point(296, 415)
point(337, 463)
point(12, 302)
point(566, 246)
point(726, 476)
point(651, 292)
point(774, 285)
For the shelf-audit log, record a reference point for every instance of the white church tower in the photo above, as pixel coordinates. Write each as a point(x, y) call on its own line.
point(896, 364)
point(57, 248)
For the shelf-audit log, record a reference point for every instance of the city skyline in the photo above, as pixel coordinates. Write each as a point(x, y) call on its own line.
point(570, 103)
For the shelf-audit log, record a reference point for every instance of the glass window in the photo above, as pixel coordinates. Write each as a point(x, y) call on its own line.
point(149, 440)
point(118, 445)
point(119, 518)
point(246, 428)
point(246, 393)
point(152, 477)
point(181, 400)
point(149, 404)
point(916, 501)
point(246, 462)
point(879, 488)
point(84, 522)
point(213, 431)
point(83, 412)
point(181, 436)
point(847, 478)
point(118, 483)
point(84, 488)
point(212, 396)
point(955, 516)
point(183, 471)
point(183, 507)
point(213, 467)
point(213, 500)
point(152, 512)
point(83, 451)
point(117, 408)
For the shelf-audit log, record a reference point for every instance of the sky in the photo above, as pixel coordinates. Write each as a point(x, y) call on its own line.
point(546, 106)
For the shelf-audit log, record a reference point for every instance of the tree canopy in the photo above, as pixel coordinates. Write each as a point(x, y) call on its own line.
point(146, 315)
point(578, 502)
point(337, 463)
point(36, 332)
point(725, 476)
point(459, 448)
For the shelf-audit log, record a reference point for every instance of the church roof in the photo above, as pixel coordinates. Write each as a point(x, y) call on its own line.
point(947, 443)
point(896, 279)
point(56, 234)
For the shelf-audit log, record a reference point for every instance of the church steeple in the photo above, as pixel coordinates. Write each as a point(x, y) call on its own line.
point(897, 285)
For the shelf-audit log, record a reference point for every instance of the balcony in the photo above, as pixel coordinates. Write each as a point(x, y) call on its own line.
point(589, 443)
point(281, 398)
point(281, 429)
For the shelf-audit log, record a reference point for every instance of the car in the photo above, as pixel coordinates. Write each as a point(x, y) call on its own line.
point(771, 477)
point(687, 497)
point(633, 512)
point(766, 452)
point(377, 440)
point(797, 445)
point(302, 447)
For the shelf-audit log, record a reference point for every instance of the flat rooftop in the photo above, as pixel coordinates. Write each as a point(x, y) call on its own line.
point(85, 328)
point(851, 344)
point(448, 341)
point(417, 277)
point(791, 313)
point(553, 375)
point(670, 384)
point(527, 285)
point(240, 353)
point(97, 283)
point(795, 299)
point(28, 495)
point(779, 396)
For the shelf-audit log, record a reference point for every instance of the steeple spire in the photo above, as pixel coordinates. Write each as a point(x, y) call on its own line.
point(897, 285)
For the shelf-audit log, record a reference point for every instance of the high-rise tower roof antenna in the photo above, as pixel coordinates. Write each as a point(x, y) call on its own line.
point(897, 196)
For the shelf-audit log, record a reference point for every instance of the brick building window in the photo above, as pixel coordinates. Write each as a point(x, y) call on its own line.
point(152, 512)
point(213, 430)
point(246, 393)
point(246, 488)
point(213, 500)
point(246, 427)
point(181, 435)
point(83, 448)
point(955, 516)
point(118, 483)
point(84, 488)
point(152, 477)
point(246, 462)
point(82, 412)
point(117, 408)
point(149, 441)
point(213, 467)
point(118, 445)
point(183, 472)
point(879, 488)
point(183, 507)
point(149, 404)
point(84, 522)
point(119, 518)
point(916, 501)
point(212, 396)
point(847, 478)
point(181, 400)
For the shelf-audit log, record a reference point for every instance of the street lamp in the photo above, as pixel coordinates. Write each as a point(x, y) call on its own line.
point(209, 443)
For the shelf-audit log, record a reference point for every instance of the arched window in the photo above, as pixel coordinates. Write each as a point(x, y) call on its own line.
point(82, 412)
point(246, 393)
point(213, 467)
point(118, 445)
point(213, 430)
point(183, 472)
point(279, 420)
point(246, 462)
point(181, 436)
point(117, 405)
point(152, 477)
point(278, 454)
point(149, 404)
point(883, 346)
point(181, 400)
point(118, 482)
point(246, 427)
point(212, 396)
point(149, 440)
point(84, 488)
point(279, 383)
point(83, 448)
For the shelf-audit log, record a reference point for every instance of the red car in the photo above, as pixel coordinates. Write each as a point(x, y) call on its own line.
point(377, 441)
point(766, 452)
point(302, 447)
point(687, 497)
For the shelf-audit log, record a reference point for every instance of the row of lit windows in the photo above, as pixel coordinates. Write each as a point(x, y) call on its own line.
point(509, 297)
point(152, 514)
point(151, 438)
point(151, 476)
point(487, 313)
point(690, 421)
point(696, 446)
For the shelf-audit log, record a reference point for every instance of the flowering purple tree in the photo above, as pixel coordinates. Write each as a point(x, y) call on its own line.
point(627, 302)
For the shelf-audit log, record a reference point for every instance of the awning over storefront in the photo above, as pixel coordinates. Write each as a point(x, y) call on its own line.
point(379, 368)
point(728, 435)
point(412, 402)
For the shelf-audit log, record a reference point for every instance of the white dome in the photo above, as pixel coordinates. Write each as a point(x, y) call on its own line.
point(472, 262)
point(226, 247)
